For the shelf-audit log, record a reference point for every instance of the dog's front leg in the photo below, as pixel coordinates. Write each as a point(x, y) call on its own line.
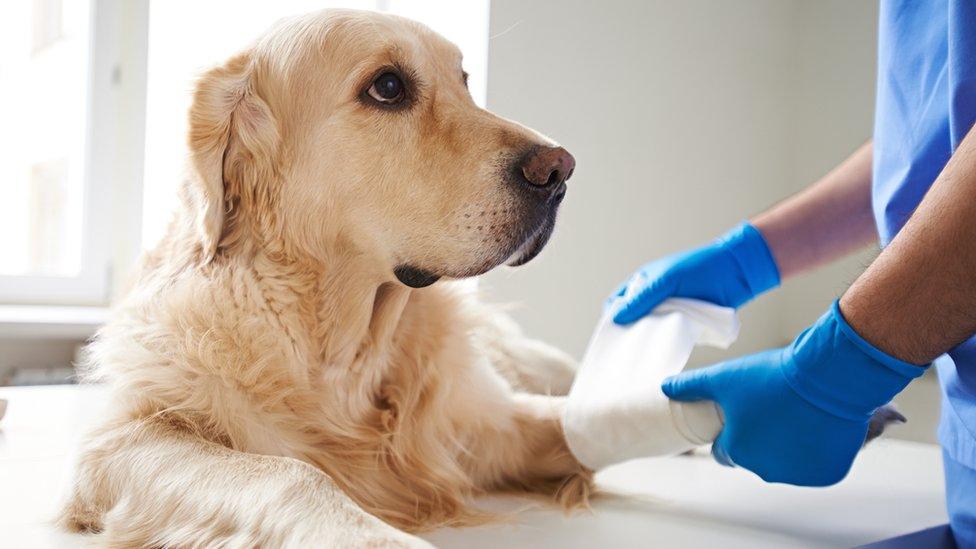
point(548, 466)
point(152, 484)
point(527, 364)
point(517, 443)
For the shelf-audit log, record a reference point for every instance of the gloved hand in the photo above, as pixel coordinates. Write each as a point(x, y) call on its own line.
point(729, 272)
point(798, 414)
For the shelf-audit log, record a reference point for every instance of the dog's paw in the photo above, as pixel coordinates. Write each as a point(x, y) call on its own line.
point(544, 369)
point(882, 418)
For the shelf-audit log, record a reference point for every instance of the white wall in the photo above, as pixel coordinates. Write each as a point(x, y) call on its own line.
point(833, 113)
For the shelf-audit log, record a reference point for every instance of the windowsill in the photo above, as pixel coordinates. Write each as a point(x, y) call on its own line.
point(50, 322)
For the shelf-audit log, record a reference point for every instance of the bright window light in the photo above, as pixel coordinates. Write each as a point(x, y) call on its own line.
point(44, 70)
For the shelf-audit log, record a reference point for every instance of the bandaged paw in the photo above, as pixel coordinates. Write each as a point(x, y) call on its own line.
point(616, 410)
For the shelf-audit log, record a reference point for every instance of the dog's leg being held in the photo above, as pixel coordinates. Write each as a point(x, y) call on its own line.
point(549, 466)
point(151, 483)
point(516, 441)
point(527, 364)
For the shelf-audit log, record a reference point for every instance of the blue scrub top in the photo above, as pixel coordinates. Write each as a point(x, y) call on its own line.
point(926, 104)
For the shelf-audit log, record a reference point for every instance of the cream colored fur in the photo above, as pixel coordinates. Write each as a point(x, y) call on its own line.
point(272, 383)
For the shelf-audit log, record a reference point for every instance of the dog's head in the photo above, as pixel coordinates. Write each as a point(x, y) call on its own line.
point(359, 125)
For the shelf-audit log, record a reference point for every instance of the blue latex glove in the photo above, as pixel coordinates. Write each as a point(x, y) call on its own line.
point(731, 271)
point(798, 414)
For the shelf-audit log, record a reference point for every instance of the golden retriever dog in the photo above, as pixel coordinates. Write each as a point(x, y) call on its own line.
point(288, 368)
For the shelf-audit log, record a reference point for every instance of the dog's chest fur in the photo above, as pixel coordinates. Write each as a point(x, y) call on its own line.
point(263, 369)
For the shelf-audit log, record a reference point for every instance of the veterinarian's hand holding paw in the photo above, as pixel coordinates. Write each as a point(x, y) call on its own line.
point(798, 414)
point(729, 272)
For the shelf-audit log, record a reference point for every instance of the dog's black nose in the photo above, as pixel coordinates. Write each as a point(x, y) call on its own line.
point(547, 167)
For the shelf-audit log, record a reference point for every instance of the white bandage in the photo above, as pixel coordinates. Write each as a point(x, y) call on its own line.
point(616, 410)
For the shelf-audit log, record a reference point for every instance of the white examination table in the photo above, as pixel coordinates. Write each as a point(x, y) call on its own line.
point(895, 488)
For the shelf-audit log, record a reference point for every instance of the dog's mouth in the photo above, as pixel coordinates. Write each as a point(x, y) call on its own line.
point(415, 277)
point(534, 238)
point(537, 239)
point(533, 245)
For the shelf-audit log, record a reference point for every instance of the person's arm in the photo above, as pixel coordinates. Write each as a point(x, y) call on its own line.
point(825, 221)
point(917, 300)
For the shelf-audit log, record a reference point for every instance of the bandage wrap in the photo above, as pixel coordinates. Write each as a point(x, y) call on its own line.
point(616, 410)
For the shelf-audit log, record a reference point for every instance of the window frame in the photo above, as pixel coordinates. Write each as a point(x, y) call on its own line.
point(112, 160)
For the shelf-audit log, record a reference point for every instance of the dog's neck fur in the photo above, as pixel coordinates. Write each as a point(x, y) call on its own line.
point(349, 308)
point(356, 316)
point(341, 388)
point(341, 307)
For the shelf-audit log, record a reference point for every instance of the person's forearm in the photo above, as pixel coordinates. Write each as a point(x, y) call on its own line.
point(918, 299)
point(825, 221)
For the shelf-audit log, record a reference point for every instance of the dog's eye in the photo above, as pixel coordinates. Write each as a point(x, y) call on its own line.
point(387, 89)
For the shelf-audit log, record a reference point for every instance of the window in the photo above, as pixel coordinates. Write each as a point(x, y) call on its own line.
point(48, 23)
point(44, 103)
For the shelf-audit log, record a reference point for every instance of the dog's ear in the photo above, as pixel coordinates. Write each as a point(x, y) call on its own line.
point(233, 143)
